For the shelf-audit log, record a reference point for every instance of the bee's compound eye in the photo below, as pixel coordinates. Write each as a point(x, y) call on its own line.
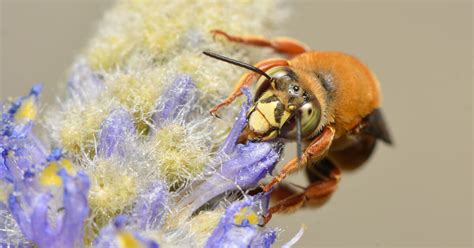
point(310, 117)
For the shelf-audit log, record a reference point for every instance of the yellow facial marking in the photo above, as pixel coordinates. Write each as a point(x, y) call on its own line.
point(49, 176)
point(268, 110)
point(127, 240)
point(284, 118)
point(27, 110)
point(246, 214)
point(258, 123)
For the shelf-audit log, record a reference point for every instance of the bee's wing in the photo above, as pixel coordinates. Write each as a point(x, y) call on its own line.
point(375, 126)
point(372, 128)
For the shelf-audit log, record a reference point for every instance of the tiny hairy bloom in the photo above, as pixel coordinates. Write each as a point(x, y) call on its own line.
point(34, 196)
point(239, 226)
point(114, 235)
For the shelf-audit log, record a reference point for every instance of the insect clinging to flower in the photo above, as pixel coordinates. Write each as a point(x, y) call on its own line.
point(329, 102)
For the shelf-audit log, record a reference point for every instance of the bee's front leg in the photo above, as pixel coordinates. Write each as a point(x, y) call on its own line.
point(247, 80)
point(315, 151)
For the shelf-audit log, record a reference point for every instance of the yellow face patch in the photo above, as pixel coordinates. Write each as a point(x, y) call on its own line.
point(263, 116)
point(258, 123)
point(246, 214)
point(268, 110)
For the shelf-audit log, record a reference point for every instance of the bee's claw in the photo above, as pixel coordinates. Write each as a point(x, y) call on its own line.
point(217, 32)
point(267, 218)
point(215, 114)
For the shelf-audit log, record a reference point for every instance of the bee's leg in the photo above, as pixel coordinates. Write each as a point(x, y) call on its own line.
point(283, 45)
point(324, 178)
point(246, 80)
point(315, 151)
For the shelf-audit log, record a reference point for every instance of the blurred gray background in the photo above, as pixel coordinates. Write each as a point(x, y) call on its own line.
point(418, 193)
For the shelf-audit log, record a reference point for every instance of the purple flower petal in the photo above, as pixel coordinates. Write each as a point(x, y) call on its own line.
point(230, 233)
point(230, 142)
point(34, 220)
point(114, 132)
point(20, 150)
point(9, 126)
point(150, 206)
point(110, 235)
point(83, 83)
point(244, 167)
point(178, 99)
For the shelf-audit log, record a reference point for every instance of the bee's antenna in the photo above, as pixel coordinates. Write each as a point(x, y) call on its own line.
point(299, 151)
point(237, 63)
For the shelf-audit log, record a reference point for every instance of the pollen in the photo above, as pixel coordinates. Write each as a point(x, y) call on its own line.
point(127, 240)
point(79, 126)
point(204, 224)
point(246, 214)
point(27, 110)
point(109, 52)
point(159, 39)
point(49, 176)
point(180, 155)
point(137, 93)
point(113, 190)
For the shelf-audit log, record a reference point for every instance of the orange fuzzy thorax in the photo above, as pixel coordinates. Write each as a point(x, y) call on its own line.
point(356, 90)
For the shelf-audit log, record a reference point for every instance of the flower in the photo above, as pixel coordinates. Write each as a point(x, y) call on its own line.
point(115, 130)
point(178, 99)
point(239, 226)
point(34, 183)
point(151, 206)
point(115, 235)
point(129, 156)
point(243, 165)
point(67, 229)
point(50, 198)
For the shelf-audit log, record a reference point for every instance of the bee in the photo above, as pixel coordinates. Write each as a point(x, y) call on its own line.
point(328, 102)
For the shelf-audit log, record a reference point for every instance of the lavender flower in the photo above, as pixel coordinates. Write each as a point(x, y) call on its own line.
point(242, 165)
point(26, 168)
point(178, 99)
point(114, 131)
point(239, 225)
point(115, 235)
point(133, 158)
point(68, 229)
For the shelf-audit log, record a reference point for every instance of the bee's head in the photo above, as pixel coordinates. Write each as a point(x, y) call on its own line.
point(282, 107)
point(279, 102)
